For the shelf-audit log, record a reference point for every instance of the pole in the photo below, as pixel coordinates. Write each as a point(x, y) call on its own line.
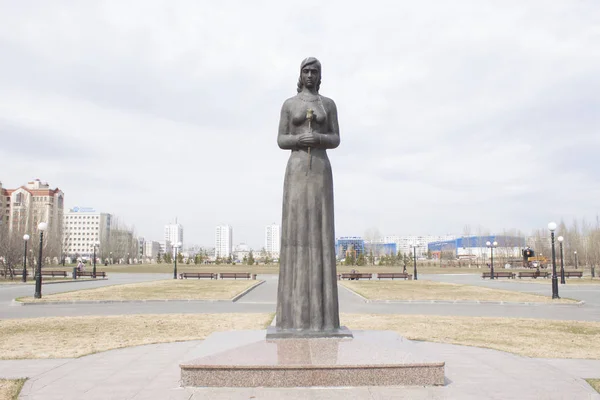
point(175, 268)
point(38, 272)
point(554, 277)
point(415, 262)
point(562, 266)
point(94, 269)
point(25, 264)
point(492, 259)
point(576, 260)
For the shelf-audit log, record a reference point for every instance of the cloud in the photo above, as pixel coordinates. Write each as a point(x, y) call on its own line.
point(451, 114)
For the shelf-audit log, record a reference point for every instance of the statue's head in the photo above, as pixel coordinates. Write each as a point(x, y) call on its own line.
point(310, 74)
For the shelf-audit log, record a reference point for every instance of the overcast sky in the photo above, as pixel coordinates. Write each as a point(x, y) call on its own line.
point(480, 113)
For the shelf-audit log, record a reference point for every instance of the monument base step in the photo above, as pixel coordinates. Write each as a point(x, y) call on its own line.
point(275, 333)
point(370, 358)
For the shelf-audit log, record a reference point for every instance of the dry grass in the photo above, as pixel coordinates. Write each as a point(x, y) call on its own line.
point(595, 383)
point(429, 290)
point(63, 337)
point(10, 388)
point(171, 289)
point(527, 337)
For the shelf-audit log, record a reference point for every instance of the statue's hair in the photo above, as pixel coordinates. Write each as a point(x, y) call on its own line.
point(305, 62)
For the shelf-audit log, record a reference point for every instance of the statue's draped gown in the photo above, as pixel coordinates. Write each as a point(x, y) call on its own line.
point(307, 298)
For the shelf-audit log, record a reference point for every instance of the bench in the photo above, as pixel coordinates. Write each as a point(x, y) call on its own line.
point(54, 273)
point(91, 274)
point(573, 274)
point(509, 275)
point(15, 273)
point(394, 275)
point(354, 276)
point(199, 275)
point(533, 274)
point(235, 275)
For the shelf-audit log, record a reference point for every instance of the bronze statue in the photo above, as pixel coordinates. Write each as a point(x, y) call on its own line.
point(307, 298)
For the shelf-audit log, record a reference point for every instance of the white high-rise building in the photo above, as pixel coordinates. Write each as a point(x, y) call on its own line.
point(84, 226)
point(272, 240)
point(223, 241)
point(174, 233)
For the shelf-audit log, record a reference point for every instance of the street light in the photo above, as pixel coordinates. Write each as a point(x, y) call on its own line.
point(38, 273)
point(96, 244)
point(575, 258)
point(491, 246)
point(552, 228)
point(25, 238)
point(177, 246)
point(111, 260)
point(562, 263)
point(415, 262)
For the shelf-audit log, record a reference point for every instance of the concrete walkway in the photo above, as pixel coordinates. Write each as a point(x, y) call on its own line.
point(152, 372)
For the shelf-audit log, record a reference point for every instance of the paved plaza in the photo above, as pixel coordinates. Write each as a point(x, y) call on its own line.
point(152, 372)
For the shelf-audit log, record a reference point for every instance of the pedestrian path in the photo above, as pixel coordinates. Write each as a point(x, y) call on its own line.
point(152, 372)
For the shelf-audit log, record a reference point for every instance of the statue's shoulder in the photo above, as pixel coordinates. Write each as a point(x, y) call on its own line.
point(329, 103)
point(288, 102)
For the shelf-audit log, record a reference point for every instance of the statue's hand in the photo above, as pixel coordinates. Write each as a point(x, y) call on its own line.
point(307, 140)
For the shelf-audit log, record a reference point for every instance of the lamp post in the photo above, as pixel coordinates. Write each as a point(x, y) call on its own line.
point(575, 252)
point(127, 258)
point(25, 238)
point(96, 244)
point(38, 272)
point(491, 246)
point(562, 262)
point(177, 245)
point(415, 262)
point(552, 228)
point(111, 260)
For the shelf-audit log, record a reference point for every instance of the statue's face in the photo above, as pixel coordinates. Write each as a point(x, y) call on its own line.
point(310, 76)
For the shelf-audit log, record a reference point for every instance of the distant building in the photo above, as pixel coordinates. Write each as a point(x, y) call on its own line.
point(82, 227)
point(165, 247)
point(272, 240)
point(151, 249)
point(475, 247)
point(174, 233)
point(240, 251)
point(405, 244)
point(223, 241)
point(25, 207)
point(354, 244)
point(381, 249)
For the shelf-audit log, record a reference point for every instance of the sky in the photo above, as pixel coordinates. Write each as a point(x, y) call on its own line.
point(466, 113)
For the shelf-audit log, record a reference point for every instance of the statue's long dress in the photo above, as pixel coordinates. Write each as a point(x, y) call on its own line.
point(307, 297)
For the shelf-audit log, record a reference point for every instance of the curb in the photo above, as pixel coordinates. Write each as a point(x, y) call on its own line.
point(16, 303)
point(32, 282)
point(503, 303)
point(237, 297)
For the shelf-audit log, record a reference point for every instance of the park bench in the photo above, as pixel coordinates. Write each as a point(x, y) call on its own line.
point(101, 274)
point(533, 274)
point(500, 274)
point(199, 275)
point(394, 275)
point(235, 275)
point(54, 273)
point(15, 273)
point(573, 274)
point(354, 276)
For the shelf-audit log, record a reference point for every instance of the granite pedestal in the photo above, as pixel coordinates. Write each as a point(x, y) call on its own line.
point(370, 358)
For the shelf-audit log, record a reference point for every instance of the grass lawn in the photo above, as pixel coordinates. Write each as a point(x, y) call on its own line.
point(170, 289)
point(595, 383)
point(429, 290)
point(527, 337)
point(10, 388)
point(63, 337)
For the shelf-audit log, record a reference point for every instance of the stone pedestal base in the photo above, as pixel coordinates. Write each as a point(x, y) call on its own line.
point(370, 358)
point(274, 333)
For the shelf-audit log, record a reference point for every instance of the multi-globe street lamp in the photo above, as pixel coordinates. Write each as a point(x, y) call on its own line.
point(562, 262)
point(96, 244)
point(25, 238)
point(552, 228)
point(491, 245)
point(176, 246)
point(415, 262)
point(38, 272)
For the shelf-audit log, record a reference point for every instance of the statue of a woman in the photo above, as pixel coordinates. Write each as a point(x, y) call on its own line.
point(307, 298)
